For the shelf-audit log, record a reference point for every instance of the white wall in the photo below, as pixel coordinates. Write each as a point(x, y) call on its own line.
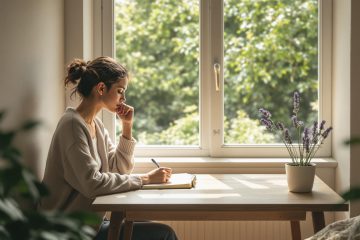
point(37, 38)
point(341, 89)
point(78, 37)
point(346, 98)
point(32, 71)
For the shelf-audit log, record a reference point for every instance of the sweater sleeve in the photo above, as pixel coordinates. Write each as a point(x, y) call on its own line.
point(120, 157)
point(82, 173)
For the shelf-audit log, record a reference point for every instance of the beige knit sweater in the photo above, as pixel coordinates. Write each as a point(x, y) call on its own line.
point(72, 174)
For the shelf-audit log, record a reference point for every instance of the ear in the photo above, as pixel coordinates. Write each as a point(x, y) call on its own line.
point(100, 88)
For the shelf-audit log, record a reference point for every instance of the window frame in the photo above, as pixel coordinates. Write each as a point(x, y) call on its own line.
point(210, 101)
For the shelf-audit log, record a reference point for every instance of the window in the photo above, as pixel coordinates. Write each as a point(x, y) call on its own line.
point(159, 41)
point(200, 71)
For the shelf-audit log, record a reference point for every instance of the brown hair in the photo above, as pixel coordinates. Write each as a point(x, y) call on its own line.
point(89, 74)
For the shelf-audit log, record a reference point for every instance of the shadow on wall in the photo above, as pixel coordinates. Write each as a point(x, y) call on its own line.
point(24, 103)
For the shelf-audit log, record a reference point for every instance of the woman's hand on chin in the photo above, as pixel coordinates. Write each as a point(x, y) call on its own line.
point(125, 113)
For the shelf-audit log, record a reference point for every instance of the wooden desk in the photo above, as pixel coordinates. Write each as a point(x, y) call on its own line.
point(223, 197)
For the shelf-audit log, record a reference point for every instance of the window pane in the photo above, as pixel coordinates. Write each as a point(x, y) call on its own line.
point(270, 50)
point(158, 40)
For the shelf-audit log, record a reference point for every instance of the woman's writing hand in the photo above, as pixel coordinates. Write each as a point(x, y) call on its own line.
point(125, 113)
point(158, 175)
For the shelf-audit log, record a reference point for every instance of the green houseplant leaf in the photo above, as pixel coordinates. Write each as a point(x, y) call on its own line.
point(6, 139)
point(28, 125)
point(19, 184)
point(9, 211)
point(2, 114)
point(354, 140)
point(352, 194)
point(3, 233)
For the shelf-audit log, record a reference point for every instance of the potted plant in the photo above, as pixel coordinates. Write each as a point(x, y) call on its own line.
point(300, 171)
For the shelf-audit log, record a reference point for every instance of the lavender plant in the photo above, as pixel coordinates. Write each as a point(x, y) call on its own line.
point(309, 138)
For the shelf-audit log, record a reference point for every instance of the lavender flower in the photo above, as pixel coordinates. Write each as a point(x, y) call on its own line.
point(307, 145)
point(264, 113)
point(280, 126)
point(314, 129)
point(322, 125)
point(326, 132)
point(306, 139)
point(267, 123)
point(296, 122)
point(306, 132)
point(287, 136)
point(301, 152)
point(296, 102)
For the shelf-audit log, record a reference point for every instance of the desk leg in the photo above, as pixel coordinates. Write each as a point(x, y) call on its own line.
point(295, 230)
point(128, 230)
point(318, 221)
point(115, 224)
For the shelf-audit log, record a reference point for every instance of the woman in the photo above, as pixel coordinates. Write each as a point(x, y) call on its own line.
point(82, 162)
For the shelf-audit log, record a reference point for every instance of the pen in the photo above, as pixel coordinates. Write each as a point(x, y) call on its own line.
point(153, 160)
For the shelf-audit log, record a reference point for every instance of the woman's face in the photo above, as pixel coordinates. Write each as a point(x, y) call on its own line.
point(114, 96)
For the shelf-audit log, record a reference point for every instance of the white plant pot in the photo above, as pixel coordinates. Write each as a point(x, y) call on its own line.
point(300, 178)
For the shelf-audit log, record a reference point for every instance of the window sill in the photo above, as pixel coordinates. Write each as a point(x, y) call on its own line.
point(225, 165)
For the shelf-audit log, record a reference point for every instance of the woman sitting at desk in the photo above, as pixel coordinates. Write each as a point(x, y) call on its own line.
point(82, 162)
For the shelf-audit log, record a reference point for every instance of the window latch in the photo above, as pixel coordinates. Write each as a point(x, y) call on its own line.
point(217, 76)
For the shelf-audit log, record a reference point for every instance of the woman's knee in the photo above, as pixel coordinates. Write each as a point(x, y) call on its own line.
point(154, 231)
point(169, 232)
point(142, 231)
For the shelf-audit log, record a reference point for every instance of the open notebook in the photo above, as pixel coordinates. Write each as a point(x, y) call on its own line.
point(177, 180)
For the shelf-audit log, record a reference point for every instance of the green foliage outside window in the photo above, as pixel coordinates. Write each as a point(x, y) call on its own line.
point(160, 46)
point(270, 49)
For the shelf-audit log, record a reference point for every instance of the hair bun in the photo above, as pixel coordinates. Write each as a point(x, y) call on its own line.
point(101, 69)
point(75, 70)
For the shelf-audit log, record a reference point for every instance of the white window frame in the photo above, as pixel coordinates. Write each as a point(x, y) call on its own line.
point(211, 102)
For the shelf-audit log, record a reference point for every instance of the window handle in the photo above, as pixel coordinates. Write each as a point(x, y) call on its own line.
point(217, 76)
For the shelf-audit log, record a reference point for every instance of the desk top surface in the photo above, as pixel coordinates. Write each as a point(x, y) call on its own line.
point(238, 192)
